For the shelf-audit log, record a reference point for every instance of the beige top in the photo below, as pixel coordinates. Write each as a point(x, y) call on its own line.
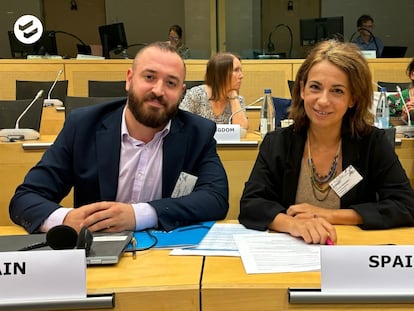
point(305, 193)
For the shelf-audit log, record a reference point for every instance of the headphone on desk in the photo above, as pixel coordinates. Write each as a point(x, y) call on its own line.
point(65, 237)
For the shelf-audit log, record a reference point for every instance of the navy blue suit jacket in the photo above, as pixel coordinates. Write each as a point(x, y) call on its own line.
point(86, 156)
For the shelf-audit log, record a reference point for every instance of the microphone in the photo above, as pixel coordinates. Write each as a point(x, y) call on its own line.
point(64, 237)
point(242, 109)
point(371, 34)
point(53, 102)
point(404, 105)
point(17, 133)
point(83, 47)
point(271, 46)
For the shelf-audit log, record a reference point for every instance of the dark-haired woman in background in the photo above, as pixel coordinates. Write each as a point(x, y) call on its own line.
point(175, 38)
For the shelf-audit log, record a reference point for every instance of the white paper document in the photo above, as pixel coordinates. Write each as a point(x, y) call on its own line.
point(277, 252)
point(218, 241)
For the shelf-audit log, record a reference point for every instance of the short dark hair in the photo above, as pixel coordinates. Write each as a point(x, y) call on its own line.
point(363, 19)
point(177, 29)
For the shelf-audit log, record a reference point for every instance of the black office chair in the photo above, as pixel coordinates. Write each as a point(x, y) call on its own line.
point(390, 133)
point(10, 111)
point(290, 85)
point(392, 86)
point(29, 89)
point(281, 108)
point(190, 84)
point(74, 102)
point(106, 88)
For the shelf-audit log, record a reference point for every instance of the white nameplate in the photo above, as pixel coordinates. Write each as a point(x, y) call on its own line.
point(227, 132)
point(369, 53)
point(43, 275)
point(367, 269)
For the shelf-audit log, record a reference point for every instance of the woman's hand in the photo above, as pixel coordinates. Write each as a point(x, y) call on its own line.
point(313, 230)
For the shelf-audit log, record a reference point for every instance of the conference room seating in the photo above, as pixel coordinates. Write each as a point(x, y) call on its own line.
point(290, 85)
point(190, 84)
point(74, 102)
point(106, 88)
point(392, 86)
point(281, 108)
point(10, 111)
point(29, 89)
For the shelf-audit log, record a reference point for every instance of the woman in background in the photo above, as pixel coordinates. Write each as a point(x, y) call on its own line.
point(293, 187)
point(175, 38)
point(397, 105)
point(218, 99)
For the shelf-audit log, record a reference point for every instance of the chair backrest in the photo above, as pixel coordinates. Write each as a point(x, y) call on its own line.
point(290, 85)
point(106, 88)
point(390, 133)
point(29, 89)
point(392, 86)
point(281, 108)
point(190, 84)
point(10, 110)
point(74, 102)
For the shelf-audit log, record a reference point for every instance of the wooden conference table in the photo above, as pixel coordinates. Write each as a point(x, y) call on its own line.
point(157, 281)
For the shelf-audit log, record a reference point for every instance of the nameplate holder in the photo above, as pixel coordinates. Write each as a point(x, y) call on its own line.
point(369, 53)
point(43, 275)
point(367, 269)
point(227, 132)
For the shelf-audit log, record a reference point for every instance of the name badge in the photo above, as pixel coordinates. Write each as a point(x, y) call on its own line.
point(184, 185)
point(227, 132)
point(357, 269)
point(43, 275)
point(345, 181)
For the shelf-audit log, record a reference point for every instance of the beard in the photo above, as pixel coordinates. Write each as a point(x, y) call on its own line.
point(149, 116)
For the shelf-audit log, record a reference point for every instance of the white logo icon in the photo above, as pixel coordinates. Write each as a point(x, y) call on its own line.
point(28, 29)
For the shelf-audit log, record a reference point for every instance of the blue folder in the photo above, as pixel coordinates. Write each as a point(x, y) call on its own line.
point(181, 237)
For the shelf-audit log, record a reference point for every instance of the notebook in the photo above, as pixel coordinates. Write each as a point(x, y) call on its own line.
point(393, 51)
point(106, 248)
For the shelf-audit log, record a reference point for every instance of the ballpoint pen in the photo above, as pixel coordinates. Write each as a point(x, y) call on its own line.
point(134, 247)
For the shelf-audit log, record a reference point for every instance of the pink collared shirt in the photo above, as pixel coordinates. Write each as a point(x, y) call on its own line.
point(139, 181)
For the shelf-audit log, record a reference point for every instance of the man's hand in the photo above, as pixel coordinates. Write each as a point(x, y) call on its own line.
point(102, 216)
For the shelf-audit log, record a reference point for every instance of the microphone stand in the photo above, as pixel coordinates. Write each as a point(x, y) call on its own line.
point(242, 109)
point(123, 51)
point(271, 46)
point(84, 46)
point(371, 34)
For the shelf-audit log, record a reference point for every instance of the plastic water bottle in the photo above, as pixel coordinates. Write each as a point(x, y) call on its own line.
point(267, 114)
point(382, 113)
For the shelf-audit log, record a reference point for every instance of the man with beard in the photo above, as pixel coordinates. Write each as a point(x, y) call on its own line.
point(126, 161)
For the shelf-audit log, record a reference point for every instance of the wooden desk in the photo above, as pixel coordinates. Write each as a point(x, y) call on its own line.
point(153, 281)
point(15, 163)
point(405, 152)
point(226, 286)
point(52, 121)
point(238, 160)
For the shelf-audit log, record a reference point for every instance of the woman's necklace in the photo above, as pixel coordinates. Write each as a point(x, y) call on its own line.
point(317, 180)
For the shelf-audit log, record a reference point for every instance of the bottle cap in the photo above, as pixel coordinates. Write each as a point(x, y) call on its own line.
point(267, 91)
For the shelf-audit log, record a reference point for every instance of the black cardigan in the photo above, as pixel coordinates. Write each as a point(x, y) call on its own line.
point(384, 197)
